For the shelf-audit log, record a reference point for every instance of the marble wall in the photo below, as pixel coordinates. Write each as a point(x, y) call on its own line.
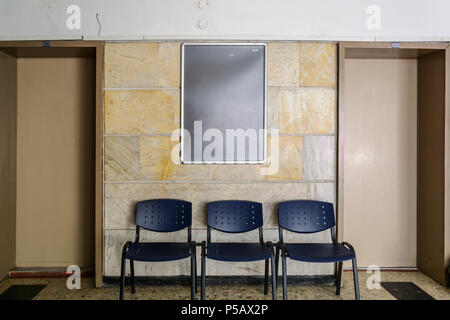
point(142, 108)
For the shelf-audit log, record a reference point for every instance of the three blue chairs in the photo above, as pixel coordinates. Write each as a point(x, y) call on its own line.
point(306, 216)
point(236, 216)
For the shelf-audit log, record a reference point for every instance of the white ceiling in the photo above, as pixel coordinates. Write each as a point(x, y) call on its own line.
point(333, 20)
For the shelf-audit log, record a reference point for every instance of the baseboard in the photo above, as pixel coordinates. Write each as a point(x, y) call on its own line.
point(47, 272)
point(222, 280)
point(390, 269)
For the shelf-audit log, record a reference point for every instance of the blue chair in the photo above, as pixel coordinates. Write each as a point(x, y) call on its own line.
point(161, 215)
point(237, 217)
point(306, 216)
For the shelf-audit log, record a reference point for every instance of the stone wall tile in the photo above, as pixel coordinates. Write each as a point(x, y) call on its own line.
point(307, 110)
point(283, 64)
point(169, 64)
point(159, 160)
point(318, 64)
point(142, 111)
point(289, 158)
point(319, 158)
point(122, 158)
point(131, 65)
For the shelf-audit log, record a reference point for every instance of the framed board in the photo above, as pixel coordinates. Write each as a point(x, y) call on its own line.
point(223, 103)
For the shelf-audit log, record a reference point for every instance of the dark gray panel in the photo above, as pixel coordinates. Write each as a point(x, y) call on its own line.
point(224, 88)
point(406, 291)
point(21, 292)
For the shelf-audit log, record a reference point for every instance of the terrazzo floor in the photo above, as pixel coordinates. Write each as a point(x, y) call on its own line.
point(56, 289)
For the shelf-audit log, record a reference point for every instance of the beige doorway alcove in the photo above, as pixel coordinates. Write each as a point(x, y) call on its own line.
point(51, 124)
point(393, 151)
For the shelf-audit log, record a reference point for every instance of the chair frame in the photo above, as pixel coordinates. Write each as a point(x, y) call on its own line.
point(271, 246)
point(338, 265)
point(193, 260)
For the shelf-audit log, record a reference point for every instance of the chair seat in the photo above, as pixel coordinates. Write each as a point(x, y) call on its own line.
point(318, 252)
point(158, 251)
point(238, 252)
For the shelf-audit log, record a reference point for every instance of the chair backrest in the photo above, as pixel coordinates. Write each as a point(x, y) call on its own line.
point(164, 215)
point(234, 216)
point(306, 216)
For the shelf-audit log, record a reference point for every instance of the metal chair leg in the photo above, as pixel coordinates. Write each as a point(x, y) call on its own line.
point(193, 274)
point(355, 278)
point(277, 261)
point(203, 286)
point(133, 288)
point(122, 279)
point(195, 269)
point(283, 261)
point(266, 276)
point(122, 269)
point(274, 278)
point(122, 274)
point(338, 278)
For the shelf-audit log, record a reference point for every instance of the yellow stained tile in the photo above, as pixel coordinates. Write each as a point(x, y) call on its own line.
point(283, 64)
point(318, 64)
point(131, 65)
point(142, 111)
point(122, 158)
point(169, 65)
point(160, 161)
point(284, 163)
point(289, 158)
point(306, 110)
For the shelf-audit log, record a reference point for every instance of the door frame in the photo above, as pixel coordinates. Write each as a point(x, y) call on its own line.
point(99, 94)
point(340, 139)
